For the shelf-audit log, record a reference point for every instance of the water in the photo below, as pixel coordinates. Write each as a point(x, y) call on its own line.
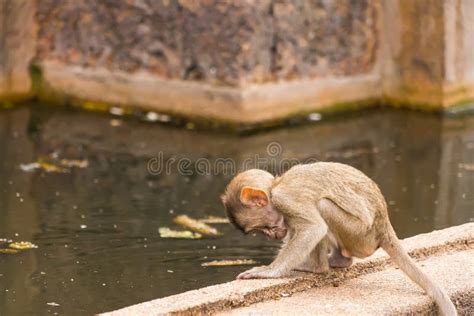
point(97, 228)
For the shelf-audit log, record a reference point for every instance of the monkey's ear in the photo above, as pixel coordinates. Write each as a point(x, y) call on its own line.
point(253, 196)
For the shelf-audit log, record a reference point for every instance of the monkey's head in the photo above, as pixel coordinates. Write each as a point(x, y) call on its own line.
point(249, 207)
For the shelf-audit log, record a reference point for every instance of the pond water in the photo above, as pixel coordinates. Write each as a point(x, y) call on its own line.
point(97, 228)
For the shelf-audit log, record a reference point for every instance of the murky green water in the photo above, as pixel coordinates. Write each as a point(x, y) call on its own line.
point(97, 228)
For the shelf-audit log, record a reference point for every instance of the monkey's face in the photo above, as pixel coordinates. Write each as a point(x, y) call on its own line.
point(262, 218)
point(272, 224)
point(252, 210)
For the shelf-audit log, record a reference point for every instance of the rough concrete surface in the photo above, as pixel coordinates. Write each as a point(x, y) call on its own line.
point(380, 293)
point(202, 100)
point(447, 255)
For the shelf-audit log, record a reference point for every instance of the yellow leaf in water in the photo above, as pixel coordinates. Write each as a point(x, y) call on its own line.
point(196, 225)
point(214, 220)
point(8, 251)
point(95, 106)
point(466, 166)
point(42, 164)
point(70, 163)
point(220, 263)
point(165, 232)
point(62, 167)
point(49, 167)
point(21, 245)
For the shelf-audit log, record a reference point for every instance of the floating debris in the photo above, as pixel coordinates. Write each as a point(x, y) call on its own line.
point(72, 163)
point(42, 165)
point(220, 263)
point(214, 220)
point(9, 251)
point(53, 304)
point(151, 117)
point(5, 241)
point(315, 117)
point(156, 117)
point(115, 122)
point(62, 166)
point(165, 232)
point(190, 125)
point(95, 106)
point(29, 167)
point(466, 166)
point(116, 111)
point(22, 245)
point(196, 225)
point(49, 167)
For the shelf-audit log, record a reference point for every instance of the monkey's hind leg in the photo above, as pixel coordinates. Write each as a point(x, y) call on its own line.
point(317, 261)
point(337, 260)
point(353, 237)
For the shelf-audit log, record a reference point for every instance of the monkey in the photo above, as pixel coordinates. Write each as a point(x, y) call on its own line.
point(325, 213)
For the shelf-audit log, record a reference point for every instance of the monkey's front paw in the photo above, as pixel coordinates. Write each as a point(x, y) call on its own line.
point(259, 273)
point(244, 274)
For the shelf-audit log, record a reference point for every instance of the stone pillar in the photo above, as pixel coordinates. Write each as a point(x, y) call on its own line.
point(428, 52)
point(17, 47)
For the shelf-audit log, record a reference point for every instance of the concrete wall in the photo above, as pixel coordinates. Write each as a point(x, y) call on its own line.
point(17, 47)
point(248, 61)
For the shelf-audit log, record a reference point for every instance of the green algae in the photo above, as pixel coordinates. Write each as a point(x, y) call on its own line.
point(46, 94)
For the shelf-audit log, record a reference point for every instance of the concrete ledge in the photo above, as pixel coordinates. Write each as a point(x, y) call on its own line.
point(453, 247)
point(387, 292)
point(247, 104)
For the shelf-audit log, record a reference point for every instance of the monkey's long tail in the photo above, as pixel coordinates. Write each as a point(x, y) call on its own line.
point(399, 255)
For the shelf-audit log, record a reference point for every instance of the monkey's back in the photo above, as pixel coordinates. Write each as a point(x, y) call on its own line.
point(346, 186)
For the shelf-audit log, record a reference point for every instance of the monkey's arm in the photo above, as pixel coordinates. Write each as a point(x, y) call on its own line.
point(301, 243)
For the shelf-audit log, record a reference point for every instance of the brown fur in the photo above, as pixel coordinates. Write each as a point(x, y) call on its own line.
point(324, 206)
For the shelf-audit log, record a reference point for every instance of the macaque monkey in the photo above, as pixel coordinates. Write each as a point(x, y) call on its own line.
point(317, 209)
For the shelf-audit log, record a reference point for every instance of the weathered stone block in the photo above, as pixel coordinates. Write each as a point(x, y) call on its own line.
point(322, 38)
point(227, 41)
point(117, 35)
point(222, 42)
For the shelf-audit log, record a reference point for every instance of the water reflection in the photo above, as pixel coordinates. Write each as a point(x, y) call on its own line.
point(97, 228)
